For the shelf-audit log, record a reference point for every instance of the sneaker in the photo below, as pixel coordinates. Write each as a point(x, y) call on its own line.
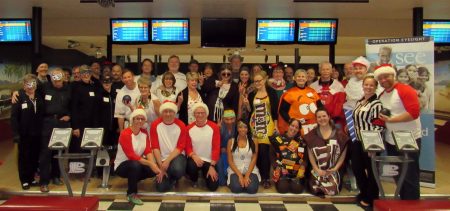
point(57, 181)
point(134, 198)
point(44, 189)
point(25, 186)
point(34, 183)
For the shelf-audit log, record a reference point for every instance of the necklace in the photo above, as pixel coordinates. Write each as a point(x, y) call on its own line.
point(241, 155)
point(167, 93)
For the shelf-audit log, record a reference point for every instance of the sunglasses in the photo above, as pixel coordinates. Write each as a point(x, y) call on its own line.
point(226, 74)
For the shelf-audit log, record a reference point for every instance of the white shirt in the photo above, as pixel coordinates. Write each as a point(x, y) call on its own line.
point(122, 110)
point(138, 142)
point(393, 101)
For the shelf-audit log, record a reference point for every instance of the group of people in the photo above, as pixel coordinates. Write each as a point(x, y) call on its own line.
point(236, 126)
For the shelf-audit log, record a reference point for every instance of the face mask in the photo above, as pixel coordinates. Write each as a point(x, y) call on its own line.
point(30, 84)
point(57, 76)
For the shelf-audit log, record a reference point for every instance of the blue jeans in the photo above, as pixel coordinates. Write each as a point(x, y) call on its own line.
point(176, 170)
point(252, 188)
point(222, 167)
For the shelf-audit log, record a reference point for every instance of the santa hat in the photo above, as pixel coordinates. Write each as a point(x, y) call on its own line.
point(200, 105)
point(138, 112)
point(168, 105)
point(384, 69)
point(361, 61)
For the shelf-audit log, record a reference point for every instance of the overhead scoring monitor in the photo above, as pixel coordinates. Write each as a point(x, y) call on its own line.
point(129, 30)
point(438, 29)
point(275, 31)
point(170, 31)
point(317, 31)
point(15, 30)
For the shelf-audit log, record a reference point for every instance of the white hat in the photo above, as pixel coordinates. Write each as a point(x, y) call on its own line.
point(384, 69)
point(138, 112)
point(168, 105)
point(361, 61)
point(200, 105)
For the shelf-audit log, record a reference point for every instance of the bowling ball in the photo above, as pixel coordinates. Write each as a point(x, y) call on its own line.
point(385, 112)
point(126, 99)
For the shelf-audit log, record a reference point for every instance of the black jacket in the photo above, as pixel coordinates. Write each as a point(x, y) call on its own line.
point(231, 100)
point(57, 100)
point(183, 111)
point(106, 110)
point(24, 120)
point(84, 105)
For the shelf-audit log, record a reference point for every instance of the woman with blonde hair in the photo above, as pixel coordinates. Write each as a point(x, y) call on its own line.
point(188, 98)
point(26, 121)
point(263, 106)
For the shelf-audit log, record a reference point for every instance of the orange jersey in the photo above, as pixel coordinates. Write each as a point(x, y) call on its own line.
point(303, 107)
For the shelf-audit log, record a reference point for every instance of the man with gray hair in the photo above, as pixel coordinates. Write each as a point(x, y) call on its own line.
point(57, 114)
point(236, 63)
point(331, 92)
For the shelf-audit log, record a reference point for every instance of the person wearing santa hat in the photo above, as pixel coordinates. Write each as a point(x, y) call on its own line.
point(403, 103)
point(134, 159)
point(168, 135)
point(354, 89)
point(203, 147)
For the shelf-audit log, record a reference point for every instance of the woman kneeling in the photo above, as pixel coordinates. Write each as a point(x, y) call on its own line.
point(134, 159)
point(290, 165)
point(243, 175)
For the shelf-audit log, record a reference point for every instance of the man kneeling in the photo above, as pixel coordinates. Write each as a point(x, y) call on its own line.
point(203, 147)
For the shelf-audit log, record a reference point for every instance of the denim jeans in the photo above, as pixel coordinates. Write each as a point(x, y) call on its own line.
point(177, 169)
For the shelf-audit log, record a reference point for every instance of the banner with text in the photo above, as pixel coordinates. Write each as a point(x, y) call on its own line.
point(413, 58)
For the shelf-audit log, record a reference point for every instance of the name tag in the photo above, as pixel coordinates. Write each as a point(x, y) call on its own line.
point(92, 94)
point(301, 149)
point(48, 97)
point(333, 141)
point(105, 99)
point(309, 94)
point(24, 106)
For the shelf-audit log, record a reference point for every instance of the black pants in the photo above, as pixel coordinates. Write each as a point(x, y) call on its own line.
point(263, 161)
point(28, 157)
point(192, 170)
point(362, 169)
point(134, 172)
point(48, 166)
point(293, 185)
point(411, 186)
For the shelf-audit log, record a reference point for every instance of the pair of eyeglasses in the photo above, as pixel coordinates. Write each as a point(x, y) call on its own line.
point(142, 119)
point(226, 74)
point(199, 113)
